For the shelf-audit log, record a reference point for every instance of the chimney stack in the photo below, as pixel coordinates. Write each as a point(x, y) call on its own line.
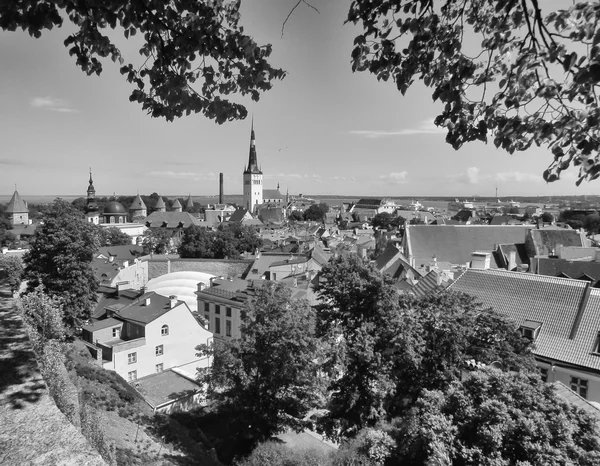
point(220, 188)
point(172, 301)
point(201, 286)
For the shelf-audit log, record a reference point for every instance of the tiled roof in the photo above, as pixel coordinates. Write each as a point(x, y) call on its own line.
point(455, 243)
point(171, 220)
point(574, 269)
point(238, 215)
point(369, 202)
point(570, 323)
point(139, 312)
point(272, 194)
point(429, 284)
point(262, 264)
point(578, 401)
point(545, 241)
point(388, 254)
point(137, 204)
point(176, 204)
point(164, 387)
point(99, 325)
point(501, 220)
point(160, 204)
point(16, 205)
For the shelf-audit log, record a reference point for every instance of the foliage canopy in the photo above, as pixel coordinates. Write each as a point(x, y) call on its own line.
point(266, 380)
point(530, 77)
point(182, 43)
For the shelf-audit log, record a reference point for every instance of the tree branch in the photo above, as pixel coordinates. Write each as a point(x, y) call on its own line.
point(293, 9)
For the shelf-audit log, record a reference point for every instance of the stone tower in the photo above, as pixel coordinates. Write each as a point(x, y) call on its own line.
point(138, 209)
point(17, 210)
point(253, 178)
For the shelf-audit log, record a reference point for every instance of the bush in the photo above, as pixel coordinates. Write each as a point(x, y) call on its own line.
point(92, 431)
point(60, 386)
point(273, 453)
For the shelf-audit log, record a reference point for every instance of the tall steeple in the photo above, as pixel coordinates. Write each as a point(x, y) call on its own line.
point(253, 178)
point(252, 158)
point(91, 191)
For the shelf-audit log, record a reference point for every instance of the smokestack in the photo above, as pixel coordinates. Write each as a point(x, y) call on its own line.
point(220, 188)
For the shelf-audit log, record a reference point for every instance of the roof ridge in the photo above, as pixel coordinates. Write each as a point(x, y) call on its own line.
point(530, 276)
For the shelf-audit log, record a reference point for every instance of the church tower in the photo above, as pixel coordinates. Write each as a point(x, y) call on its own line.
point(91, 208)
point(253, 178)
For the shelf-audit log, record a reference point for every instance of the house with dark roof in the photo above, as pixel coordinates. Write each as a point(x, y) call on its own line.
point(175, 221)
point(240, 215)
point(544, 242)
point(120, 265)
point(222, 303)
point(454, 245)
point(145, 335)
point(561, 316)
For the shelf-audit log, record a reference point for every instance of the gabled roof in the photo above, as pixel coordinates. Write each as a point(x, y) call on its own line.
point(455, 243)
point(16, 205)
point(555, 267)
point(137, 204)
point(569, 310)
point(272, 194)
point(520, 251)
point(385, 258)
point(369, 202)
point(238, 215)
point(171, 220)
point(429, 284)
point(140, 313)
point(101, 324)
point(544, 241)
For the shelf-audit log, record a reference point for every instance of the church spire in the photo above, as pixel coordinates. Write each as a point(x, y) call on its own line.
point(91, 191)
point(252, 158)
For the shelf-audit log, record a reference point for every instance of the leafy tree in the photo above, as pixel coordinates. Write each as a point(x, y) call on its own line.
point(316, 212)
point(6, 237)
point(228, 241)
point(43, 316)
point(532, 79)
point(265, 382)
point(357, 318)
point(184, 43)
point(547, 217)
point(382, 220)
point(196, 243)
point(296, 216)
point(390, 347)
point(112, 236)
point(157, 241)
point(11, 269)
point(60, 256)
point(497, 418)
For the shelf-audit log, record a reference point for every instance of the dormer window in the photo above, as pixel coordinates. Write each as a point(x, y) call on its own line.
point(530, 329)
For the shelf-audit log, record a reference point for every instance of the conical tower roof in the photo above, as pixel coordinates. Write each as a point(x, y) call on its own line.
point(160, 204)
point(252, 157)
point(138, 203)
point(176, 204)
point(16, 205)
point(189, 204)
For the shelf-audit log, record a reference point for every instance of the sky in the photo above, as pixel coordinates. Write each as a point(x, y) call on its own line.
point(322, 130)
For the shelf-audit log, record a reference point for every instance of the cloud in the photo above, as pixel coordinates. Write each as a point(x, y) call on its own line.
point(50, 103)
point(7, 161)
point(519, 177)
point(395, 177)
point(425, 127)
point(470, 176)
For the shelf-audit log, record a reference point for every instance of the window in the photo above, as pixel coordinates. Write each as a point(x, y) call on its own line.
point(159, 350)
point(544, 374)
point(217, 309)
point(132, 375)
point(159, 367)
point(116, 332)
point(206, 307)
point(579, 386)
point(217, 325)
point(164, 330)
point(530, 329)
point(131, 358)
point(228, 328)
point(227, 312)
